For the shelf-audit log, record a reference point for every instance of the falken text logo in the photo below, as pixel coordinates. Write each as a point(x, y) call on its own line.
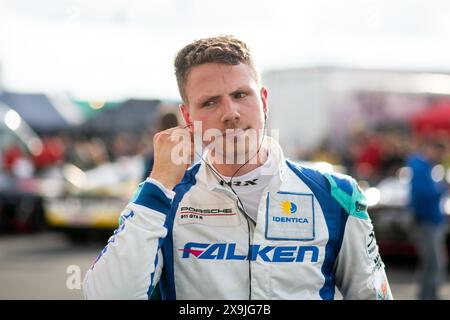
point(227, 251)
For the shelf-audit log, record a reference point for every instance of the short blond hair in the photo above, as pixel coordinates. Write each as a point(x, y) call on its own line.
point(225, 49)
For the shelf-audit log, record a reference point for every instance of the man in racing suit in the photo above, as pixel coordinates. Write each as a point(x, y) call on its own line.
point(262, 229)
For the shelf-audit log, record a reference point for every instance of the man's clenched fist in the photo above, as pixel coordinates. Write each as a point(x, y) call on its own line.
point(173, 154)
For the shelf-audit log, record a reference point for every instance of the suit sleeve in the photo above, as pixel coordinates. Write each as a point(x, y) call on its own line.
point(360, 272)
point(130, 265)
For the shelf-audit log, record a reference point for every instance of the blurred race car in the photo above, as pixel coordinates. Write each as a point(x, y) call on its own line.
point(21, 206)
point(392, 218)
point(91, 201)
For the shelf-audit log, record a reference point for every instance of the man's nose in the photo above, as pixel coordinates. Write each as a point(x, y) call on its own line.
point(230, 111)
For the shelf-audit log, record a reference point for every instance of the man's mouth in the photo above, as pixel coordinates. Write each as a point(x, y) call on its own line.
point(234, 133)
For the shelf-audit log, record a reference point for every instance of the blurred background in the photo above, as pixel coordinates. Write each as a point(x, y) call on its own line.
point(354, 86)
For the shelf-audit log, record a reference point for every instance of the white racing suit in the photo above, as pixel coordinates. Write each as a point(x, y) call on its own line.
point(312, 234)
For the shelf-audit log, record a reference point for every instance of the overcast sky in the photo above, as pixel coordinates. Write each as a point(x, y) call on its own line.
point(114, 49)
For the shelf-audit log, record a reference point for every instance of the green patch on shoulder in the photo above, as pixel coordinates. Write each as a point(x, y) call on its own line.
point(355, 204)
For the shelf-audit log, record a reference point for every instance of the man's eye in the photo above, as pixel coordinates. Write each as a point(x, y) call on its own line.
point(240, 95)
point(208, 103)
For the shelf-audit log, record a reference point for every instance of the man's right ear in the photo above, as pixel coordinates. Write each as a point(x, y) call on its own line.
point(185, 113)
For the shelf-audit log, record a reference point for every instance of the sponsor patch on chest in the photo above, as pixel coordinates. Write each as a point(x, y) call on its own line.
point(222, 215)
point(290, 216)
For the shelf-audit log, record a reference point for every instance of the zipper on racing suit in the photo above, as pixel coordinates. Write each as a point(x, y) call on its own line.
point(251, 224)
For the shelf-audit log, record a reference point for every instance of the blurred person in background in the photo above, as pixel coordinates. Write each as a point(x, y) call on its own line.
point(52, 153)
point(324, 153)
point(97, 150)
point(395, 147)
point(430, 223)
point(11, 155)
point(123, 144)
point(79, 154)
point(17, 162)
point(368, 161)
